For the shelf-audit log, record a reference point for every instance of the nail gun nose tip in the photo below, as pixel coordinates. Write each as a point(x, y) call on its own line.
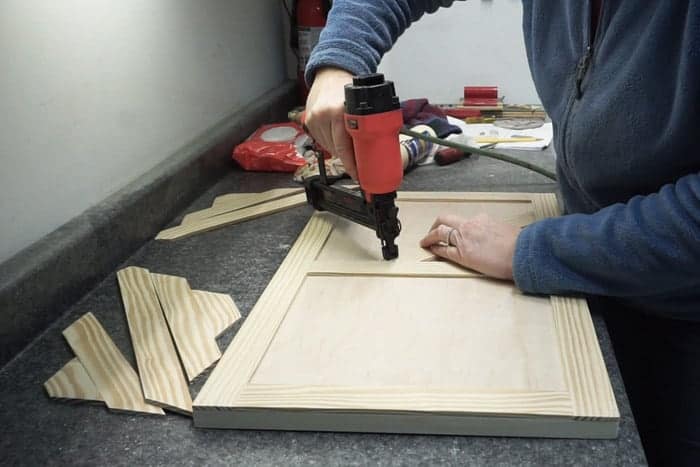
point(390, 252)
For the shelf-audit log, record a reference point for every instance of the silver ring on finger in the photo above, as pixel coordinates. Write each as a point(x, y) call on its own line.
point(449, 237)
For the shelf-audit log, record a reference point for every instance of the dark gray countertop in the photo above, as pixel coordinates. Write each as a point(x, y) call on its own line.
point(240, 260)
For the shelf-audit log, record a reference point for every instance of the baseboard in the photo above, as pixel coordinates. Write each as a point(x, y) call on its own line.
point(38, 284)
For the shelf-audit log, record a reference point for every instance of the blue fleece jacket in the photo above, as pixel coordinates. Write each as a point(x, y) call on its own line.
point(625, 105)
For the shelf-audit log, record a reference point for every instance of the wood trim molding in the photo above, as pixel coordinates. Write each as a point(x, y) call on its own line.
point(234, 201)
point(240, 359)
point(233, 217)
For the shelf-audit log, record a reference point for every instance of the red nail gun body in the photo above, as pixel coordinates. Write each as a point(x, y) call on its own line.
point(373, 119)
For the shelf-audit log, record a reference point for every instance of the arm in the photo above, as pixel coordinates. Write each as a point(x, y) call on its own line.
point(358, 33)
point(648, 247)
point(356, 36)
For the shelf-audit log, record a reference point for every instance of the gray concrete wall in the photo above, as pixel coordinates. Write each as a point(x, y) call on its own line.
point(93, 93)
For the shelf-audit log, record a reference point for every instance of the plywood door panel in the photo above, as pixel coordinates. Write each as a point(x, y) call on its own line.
point(241, 357)
point(341, 340)
point(352, 242)
point(429, 267)
point(346, 322)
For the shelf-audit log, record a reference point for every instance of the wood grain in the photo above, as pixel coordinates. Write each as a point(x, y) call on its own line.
point(115, 379)
point(235, 201)
point(162, 379)
point(400, 397)
point(220, 310)
point(434, 339)
point(341, 340)
point(72, 382)
point(241, 357)
point(545, 206)
point(193, 336)
point(232, 198)
point(269, 195)
point(230, 218)
point(587, 378)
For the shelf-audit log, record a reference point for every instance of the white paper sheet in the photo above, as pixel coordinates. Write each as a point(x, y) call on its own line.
point(489, 130)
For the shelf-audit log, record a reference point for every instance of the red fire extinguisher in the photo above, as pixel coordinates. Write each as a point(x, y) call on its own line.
point(310, 17)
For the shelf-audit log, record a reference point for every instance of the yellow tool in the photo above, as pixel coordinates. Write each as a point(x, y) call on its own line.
point(470, 120)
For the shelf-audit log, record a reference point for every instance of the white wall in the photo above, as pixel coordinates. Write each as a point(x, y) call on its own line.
point(470, 43)
point(93, 93)
point(474, 42)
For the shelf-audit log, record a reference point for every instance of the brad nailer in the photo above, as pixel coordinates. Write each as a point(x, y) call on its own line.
point(373, 119)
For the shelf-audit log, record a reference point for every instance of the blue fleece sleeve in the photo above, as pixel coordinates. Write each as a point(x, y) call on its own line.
point(648, 247)
point(359, 32)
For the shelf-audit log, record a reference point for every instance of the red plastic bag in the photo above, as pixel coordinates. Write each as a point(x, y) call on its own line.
point(272, 148)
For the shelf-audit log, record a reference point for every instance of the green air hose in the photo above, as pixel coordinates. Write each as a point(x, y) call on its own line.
point(481, 152)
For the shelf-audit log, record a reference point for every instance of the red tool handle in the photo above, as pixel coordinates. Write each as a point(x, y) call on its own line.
point(377, 151)
point(373, 119)
point(448, 156)
point(375, 140)
point(481, 92)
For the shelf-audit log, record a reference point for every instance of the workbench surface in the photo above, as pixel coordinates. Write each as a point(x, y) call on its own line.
point(240, 260)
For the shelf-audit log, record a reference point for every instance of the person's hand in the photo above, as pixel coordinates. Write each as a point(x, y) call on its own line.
point(324, 116)
point(480, 243)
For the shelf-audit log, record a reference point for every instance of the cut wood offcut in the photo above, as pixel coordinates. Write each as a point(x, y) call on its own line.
point(232, 202)
point(234, 208)
point(115, 379)
point(193, 336)
point(162, 378)
point(73, 383)
point(219, 309)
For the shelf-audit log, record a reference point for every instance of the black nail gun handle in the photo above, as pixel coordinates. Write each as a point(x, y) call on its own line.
point(379, 214)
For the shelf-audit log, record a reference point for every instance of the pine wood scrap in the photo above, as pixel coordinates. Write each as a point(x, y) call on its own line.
point(268, 195)
point(72, 382)
point(115, 379)
point(220, 310)
point(230, 218)
point(193, 336)
point(234, 201)
point(162, 379)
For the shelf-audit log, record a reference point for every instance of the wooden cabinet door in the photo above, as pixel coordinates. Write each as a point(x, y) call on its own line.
point(342, 340)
